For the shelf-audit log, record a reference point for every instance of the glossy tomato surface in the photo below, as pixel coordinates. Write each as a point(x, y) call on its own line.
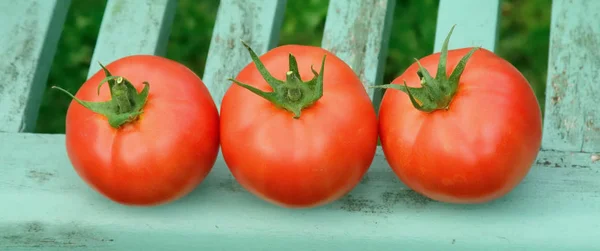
point(161, 156)
point(304, 162)
point(478, 149)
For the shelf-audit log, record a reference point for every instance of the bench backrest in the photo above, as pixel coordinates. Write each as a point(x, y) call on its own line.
point(357, 31)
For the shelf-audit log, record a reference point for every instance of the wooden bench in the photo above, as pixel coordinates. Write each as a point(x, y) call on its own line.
point(45, 205)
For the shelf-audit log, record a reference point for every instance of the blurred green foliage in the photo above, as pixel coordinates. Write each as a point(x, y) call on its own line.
point(523, 41)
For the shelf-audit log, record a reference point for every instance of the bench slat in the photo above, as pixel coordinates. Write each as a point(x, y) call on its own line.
point(46, 205)
point(129, 28)
point(358, 32)
point(572, 117)
point(29, 34)
point(476, 23)
point(257, 22)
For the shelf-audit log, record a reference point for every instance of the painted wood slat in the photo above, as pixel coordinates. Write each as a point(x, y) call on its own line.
point(358, 32)
point(133, 27)
point(476, 23)
point(45, 205)
point(29, 34)
point(257, 22)
point(572, 118)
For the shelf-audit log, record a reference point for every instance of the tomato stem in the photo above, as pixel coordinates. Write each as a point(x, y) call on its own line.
point(126, 103)
point(293, 94)
point(435, 93)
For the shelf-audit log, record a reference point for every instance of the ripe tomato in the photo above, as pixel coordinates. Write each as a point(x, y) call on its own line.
point(473, 137)
point(145, 148)
point(294, 143)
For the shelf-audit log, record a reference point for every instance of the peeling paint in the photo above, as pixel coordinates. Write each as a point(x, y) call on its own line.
point(356, 33)
point(250, 21)
point(574, 60)
point(40, 176)
point(386, 202)
point(18, 67)
point(231, 185)
point(35, 234)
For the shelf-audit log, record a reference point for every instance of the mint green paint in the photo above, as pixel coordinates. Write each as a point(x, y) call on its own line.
point(476, 23)
point(132, 27)
point(47, 206)
point(358, 32)
point(257, 22)
point(44, 205)
point(29, 34)
point(572, 118)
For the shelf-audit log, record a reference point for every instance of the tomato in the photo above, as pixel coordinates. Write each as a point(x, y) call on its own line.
point(295, 137)
point(149, 137)
point(473, 131)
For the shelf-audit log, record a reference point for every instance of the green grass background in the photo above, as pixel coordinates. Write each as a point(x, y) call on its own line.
point(524, 37)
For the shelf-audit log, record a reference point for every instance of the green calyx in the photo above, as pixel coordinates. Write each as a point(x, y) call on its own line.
point(435, 93)
point(126, 103)
point(293, 94)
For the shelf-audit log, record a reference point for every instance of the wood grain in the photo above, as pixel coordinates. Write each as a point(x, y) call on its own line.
point(572, 118)
point(130, 28)
point(358, 32)
point(257, 22)
point(29, 34)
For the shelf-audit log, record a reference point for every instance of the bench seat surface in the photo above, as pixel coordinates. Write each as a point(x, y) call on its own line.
point(50, 207)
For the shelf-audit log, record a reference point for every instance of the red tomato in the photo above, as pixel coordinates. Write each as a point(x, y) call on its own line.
point(287, 144)
point(474, 140)
point(150, 158)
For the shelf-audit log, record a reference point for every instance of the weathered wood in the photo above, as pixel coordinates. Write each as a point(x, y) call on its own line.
point(129, 28)
point(29, 34)
point(358, 32)
point(476, 23)
point(257, 22)
point(47, 206)
point(572, 118)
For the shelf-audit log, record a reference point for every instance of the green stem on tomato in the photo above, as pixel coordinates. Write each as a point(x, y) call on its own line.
point(435, 93)
point(126, 103)
point(293, 94)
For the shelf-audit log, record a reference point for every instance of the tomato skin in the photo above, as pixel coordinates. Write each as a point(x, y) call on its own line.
point(305, 162)
point(476, 151)
point(158, 158)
